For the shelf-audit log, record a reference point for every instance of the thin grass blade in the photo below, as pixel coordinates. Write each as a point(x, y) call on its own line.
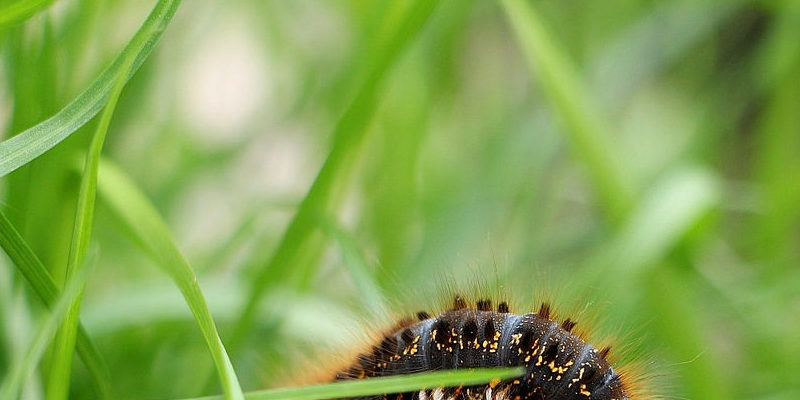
point(355, 261)
point(35, 141)
point(141, 218)
point(586, 130)
point(64, 347)
point(665, 215)
point(44, 286)
point(389, 384)
point(326, 191)
point(22, 371)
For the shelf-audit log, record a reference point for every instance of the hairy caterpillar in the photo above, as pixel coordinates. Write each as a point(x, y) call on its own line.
point(559, 364)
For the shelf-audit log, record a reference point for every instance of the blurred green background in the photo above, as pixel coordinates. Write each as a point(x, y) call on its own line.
point(644, 153)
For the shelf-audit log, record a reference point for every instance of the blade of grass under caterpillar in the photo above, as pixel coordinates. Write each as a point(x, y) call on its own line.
point(388, 384)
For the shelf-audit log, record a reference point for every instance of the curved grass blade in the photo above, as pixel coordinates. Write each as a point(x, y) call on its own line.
point(64, 347)
point(585, 128)
point(35, 141)
point(141, 218)
point(388, 384)
point(22, 370)
point(44, 286)
point(18, 11)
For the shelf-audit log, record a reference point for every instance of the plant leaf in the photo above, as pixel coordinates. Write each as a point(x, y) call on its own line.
point(586, 130)
point(35, 141)
point(142, 219)
point(64, 347)
point(22, 370)
point(43, 284)
point(300, 240)
point(387, 384)
point(18, 11)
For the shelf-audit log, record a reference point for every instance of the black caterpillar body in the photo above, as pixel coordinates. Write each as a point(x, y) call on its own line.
point(559, 364)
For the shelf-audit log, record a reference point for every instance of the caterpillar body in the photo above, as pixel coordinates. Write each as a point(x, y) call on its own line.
point(559, 364)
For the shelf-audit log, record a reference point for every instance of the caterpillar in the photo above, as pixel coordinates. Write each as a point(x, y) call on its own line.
point(559, 364)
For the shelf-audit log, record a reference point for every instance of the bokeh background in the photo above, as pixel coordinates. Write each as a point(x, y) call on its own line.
point(675, 207)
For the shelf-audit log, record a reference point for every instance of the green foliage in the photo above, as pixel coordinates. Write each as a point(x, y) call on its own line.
point(139, 217)
point(24, 369)
point(586, 129)
point(292, 169)
point(43, 285)
point(33, 142)
point(15, 11)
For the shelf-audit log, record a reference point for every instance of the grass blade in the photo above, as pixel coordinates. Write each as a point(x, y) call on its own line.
point(64, 347)
point(21, 371)
point(323, 196)
point(388, 384)
point(141, 218)
point(18, 11)
point(355, 261)
point(585, 128)
point(43, 284)
point(665, 215)
point(35, 141)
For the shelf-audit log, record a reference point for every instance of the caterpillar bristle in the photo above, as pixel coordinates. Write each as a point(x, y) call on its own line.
point(387, 346)
point(423, 315)
point(568, 324)
point(604, 352)
point(402, 323)
point(459, 303)
point(503, 308)
point(544, 311)
point(484, 305)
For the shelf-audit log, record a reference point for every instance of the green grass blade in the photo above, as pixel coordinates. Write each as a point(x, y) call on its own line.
point(777, 161)
point(142, 219)
point(44, 286)
point(35, 141)
point(18, 11)
point(585, 130)
point(665, 215)
point(325, 192)
point(355, 261)
point(389, 384)
point(22, 371)
point(61, 367)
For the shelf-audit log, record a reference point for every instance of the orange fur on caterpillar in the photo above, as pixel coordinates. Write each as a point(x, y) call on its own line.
point(560, 362)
